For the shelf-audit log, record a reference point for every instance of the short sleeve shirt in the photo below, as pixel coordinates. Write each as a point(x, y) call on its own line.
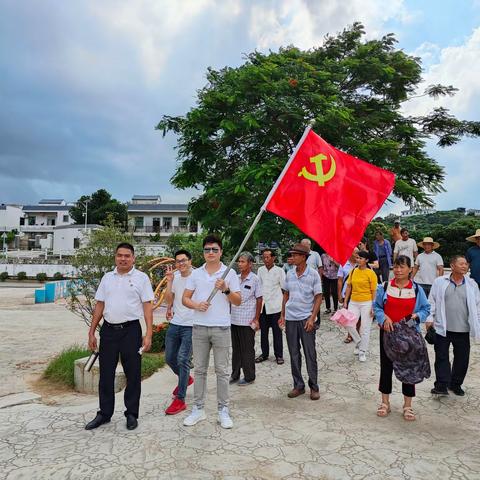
point(330, 268)
point(314, 260)
point(473, 258)
point(427, 264)
point(406, 247)
point(124, 295)
point(202, 284)
point(251, 290)
point(181, 314)
point(301, 293)
point(272, 282)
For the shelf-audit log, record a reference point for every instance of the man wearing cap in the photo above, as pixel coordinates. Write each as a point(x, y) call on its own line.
point(473, 256)
point(314, 260)
point(301, 303)
point(428, 265)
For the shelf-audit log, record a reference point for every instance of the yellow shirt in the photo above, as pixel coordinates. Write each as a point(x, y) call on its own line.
point(364, 284)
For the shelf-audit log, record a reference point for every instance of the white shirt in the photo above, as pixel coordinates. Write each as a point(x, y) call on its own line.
point(181, 314)
point(272, 281)
point(250, 289)
point(124, 295)
point(428, 264)
point(406, 247)
point(314, 260)
point(202, 284)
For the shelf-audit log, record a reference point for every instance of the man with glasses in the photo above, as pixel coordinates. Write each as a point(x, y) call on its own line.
point(178, 341)
point(211, 328)
point(272, 279)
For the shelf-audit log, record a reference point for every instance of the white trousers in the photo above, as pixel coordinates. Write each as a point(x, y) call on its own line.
point(361, 310)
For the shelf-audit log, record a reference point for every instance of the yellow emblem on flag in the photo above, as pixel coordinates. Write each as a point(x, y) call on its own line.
point(320, 177)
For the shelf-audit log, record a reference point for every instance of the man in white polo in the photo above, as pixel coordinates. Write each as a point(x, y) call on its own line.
point(211, 328)
point(123, 297)
point(428, 265)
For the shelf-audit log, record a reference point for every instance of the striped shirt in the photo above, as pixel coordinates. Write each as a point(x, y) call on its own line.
point(251, 290)
point(301, 293)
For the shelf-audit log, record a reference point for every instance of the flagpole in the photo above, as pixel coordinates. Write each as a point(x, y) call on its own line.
point(262, 209)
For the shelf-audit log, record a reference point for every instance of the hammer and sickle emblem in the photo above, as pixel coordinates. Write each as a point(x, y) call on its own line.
point(320, 177)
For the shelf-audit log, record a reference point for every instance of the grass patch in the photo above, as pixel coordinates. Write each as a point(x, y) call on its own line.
point(61, 369)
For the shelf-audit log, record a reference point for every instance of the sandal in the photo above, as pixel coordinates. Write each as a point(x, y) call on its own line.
point(383, 410)
point(349, 339)
point(408, 414)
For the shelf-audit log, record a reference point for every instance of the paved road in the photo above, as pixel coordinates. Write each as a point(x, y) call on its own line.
point(337, 437)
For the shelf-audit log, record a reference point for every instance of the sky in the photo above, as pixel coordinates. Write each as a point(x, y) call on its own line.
point(83, 83)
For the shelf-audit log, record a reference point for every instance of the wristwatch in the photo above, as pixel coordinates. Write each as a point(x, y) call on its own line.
point(227, 291)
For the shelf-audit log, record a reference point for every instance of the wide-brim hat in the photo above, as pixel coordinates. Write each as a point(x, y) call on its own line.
point(299, 248)
point(429, 240)
point(472, 238)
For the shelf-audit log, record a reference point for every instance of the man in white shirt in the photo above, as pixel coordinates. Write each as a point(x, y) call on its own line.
point(123, 297)
point(211, 328)
point(272, 279)
point(314, 260)
point(245, 320)
point(178, 341)
point(405, 246)
point(428, 265)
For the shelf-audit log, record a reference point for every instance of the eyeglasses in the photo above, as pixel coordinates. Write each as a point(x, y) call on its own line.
point(211, 249)
point(180, 262)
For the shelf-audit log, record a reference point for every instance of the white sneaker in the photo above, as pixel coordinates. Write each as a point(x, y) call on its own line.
point(224, 418)
point(197, 415)
point(356, 350)
point(362, 357)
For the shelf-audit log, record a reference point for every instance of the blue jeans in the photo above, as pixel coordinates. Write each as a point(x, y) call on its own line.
point(178, 348)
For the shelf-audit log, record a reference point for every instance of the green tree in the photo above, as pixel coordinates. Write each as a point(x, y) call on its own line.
point(100, 206)
point(192, 243)
point(234, 143)
point(92, 262)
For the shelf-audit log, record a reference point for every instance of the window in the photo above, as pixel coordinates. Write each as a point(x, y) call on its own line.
point(167, 223)
point(65, 219)
point(138, 222)
point(51, 221)
point(22, 221)
point(31, 220)
point(76, 243)
point(156, 224)
point(183, 222)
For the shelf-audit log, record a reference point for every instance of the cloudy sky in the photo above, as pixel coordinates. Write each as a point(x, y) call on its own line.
point(83, 83)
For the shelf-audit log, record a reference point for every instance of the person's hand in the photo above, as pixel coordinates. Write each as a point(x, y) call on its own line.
point(169, 273)
point(255, 323)
point(428, 325)
point(147, 343)
point(169, 314)
point(92, 342)
point(202, 306)
point(388, 324)
point(281, 321)
point(221, 285)
point(310, 325)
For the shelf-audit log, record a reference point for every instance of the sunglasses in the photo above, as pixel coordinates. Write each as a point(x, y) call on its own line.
point(211, 249)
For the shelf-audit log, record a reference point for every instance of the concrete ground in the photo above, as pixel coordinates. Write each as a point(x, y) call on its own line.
point(274, 437)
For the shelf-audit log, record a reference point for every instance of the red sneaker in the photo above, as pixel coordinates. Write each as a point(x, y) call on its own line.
point(175, 390)
point(176, 407)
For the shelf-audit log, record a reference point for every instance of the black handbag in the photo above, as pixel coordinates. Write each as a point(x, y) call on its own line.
point(431, 335)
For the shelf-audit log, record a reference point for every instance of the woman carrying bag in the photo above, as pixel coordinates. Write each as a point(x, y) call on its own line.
point(399, 310)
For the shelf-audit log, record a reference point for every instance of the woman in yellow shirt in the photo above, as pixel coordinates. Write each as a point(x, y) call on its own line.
point(361, 291)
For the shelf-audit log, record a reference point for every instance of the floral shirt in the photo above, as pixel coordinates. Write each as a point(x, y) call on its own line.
point(330, 268)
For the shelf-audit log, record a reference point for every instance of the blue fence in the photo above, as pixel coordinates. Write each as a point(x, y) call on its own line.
point(53, 291)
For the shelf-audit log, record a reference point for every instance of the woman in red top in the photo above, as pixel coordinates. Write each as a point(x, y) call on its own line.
point(399, 301)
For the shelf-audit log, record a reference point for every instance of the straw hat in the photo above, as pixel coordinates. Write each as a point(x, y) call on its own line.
point(472, 238)
point(428, 240)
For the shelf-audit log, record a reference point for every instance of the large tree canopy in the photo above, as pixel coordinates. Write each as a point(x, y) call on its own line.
point(234, 143)
point(101, 206)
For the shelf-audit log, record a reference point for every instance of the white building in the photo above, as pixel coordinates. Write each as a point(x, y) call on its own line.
point(417, 211)
point(10, 217)
point(39, 222)
point(67, 238)
point(148, 216)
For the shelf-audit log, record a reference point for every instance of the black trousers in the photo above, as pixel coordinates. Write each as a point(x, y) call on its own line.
point(384, 268)
point(426, 288)
point(330, 288)
point(451, 375)
point(297, 336)
point(386, 372)
point(243, 352)
point(267, 322)
point(123, 343)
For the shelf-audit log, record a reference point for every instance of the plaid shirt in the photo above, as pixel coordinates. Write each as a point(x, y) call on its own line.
point(301, 293)
point(250, 290)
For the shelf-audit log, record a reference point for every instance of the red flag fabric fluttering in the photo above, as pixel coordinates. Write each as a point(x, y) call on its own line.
point(329, 195)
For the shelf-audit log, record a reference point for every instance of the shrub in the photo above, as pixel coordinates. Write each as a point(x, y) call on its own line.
point(58, 276)
point(151, 362)
point(3, 276)
point(158, 337)
point(41, 277)
point(61, 368)
point(21, 275)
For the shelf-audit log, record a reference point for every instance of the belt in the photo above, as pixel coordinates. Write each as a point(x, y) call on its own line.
point(119, 326)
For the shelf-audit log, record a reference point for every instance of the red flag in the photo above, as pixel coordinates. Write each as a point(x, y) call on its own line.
point(329, 195)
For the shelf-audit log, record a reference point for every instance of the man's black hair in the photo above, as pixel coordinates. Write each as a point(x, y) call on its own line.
point(212, 239)
point(272, 252)
point(183, 252)
point(127, 245)
point(404, 230)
